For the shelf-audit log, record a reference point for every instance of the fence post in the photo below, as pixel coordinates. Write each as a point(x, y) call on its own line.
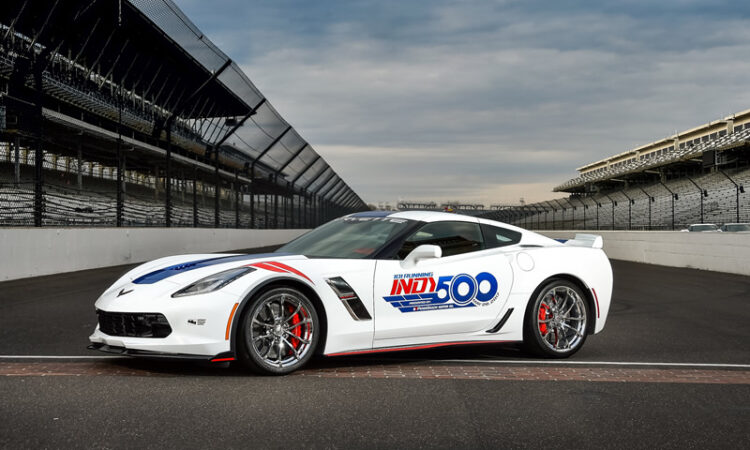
point(598, 205)
point(39, 152)
point(195, 197)
point(252, 207)
point(168, 179)
point(554, 224)
point(275, 211)
point(737, 188)
point(217, 190)
point(300, 210)
point(265, 211)
point(237, 195)
point(119, 206)
point(17, 164)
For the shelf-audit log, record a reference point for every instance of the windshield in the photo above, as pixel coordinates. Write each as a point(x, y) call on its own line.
point(738, 227)
point(348, 237)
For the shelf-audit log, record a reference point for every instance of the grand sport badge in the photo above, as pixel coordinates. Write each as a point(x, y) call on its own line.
point(422, 292)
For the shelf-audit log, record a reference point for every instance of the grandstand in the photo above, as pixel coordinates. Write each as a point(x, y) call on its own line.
point(471, 209)
point(696, 176)
point(123, 113)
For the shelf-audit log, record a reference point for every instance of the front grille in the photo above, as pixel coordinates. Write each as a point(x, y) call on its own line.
point(145, 325)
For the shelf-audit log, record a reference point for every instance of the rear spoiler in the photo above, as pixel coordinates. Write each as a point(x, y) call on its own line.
point(585, 240)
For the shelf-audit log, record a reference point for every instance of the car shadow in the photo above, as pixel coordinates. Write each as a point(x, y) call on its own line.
point(177, 367)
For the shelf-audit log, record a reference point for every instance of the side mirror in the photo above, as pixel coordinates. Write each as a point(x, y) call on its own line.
point(420, 253)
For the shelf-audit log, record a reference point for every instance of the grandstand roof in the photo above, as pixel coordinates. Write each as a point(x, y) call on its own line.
point(151, 55)
point(684, 147)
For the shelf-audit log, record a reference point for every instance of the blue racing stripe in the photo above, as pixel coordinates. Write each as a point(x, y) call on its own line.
point(166, 272)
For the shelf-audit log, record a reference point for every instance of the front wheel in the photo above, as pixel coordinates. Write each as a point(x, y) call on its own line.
point(279, 332)
point(555, 325)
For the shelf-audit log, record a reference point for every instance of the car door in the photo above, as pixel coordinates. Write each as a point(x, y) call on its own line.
point(463, 291)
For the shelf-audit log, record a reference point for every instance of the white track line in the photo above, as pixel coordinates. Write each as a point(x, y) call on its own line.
point(463, 361)
point(81, 358)
point(591, 363)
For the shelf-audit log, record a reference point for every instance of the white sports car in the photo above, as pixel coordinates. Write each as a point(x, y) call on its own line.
point(366, 282)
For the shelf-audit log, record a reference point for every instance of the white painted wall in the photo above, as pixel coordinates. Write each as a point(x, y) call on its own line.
point(29, 252)
point(720, 252)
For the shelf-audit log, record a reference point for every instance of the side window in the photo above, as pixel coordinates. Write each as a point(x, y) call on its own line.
point(499, 237)
point(453, 237)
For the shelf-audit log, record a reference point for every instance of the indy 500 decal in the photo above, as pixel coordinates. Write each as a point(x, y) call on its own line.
point(423, 292)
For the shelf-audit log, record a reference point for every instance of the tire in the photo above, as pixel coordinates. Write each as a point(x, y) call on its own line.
point(278, 332)
point(556, 321)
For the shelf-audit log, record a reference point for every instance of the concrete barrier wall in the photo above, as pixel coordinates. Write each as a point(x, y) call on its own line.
point(720, 252)
point(29, 252)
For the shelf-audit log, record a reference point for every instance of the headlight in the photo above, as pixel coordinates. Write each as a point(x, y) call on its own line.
point(213, 282)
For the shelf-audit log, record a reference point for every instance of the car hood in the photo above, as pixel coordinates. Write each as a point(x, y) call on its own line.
point(182, 270)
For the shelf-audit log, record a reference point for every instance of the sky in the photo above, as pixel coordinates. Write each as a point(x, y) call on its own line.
point(484, 101)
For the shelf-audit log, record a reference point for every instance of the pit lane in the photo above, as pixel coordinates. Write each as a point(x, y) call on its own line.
point(670, 369)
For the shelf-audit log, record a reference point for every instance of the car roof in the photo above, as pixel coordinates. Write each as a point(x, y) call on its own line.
point(421, 216)
point(529, 237)
point(432, 216)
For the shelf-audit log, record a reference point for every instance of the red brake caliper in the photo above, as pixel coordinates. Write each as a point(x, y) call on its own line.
point(297, 331)
point(543, 316)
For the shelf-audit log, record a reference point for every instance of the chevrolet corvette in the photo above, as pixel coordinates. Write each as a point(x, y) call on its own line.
point(367, 282)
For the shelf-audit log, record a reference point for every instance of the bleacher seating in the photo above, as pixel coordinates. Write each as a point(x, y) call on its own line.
point(675, 155)
point(720, 206)
point(65, 205)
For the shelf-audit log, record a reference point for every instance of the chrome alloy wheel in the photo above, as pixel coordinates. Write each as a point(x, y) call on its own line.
point(281, 330)
point(561, 319)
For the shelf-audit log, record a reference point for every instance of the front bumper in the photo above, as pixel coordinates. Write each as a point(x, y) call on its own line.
point(175, 344)
point(221, 357)
point(147, 320)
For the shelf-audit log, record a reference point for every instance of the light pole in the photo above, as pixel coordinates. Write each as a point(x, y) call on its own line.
point(650, 200)
point(563, 210)
point(573, 213)
point(703, 193)
point(554, 210)
point(533, 213)
point(585, 207)
point(674, 197)
point(525, 216)
point(539, 217)
point(614, 203)
point(738, 188)
point(630, 205)
point(546, 215)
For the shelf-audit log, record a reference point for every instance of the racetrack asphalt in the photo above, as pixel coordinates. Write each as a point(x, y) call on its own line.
point(471, 397)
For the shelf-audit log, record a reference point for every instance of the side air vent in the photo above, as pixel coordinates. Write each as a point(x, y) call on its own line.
point(500, 324)
point(349, 298)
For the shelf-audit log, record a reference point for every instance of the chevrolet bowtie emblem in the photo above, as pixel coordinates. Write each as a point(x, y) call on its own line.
point(123, 292)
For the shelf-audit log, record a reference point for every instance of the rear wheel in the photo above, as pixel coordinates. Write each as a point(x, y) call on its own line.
point(279, 332)
point(556, 321)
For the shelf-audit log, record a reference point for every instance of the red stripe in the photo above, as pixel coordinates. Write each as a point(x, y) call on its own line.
point(266, 266)
point(597, 302)
point(415, 347)
point(290, 269)
point(222, 359)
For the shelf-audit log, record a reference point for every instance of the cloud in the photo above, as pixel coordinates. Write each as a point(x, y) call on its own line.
point(472, 100)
